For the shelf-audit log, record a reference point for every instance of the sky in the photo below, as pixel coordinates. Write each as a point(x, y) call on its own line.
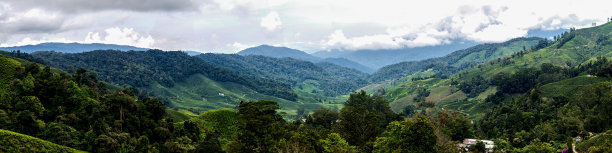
point(228, 26)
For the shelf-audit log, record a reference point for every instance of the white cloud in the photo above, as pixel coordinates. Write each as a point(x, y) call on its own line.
point(271, 22)
point(125, 36)
point(236, 46)
point(363, 24)
point(30, 41)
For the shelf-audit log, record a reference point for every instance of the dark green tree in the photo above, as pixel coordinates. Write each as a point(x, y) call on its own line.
point(260, 127)
point(408, 136)
point(479, 147)
point(363, 118)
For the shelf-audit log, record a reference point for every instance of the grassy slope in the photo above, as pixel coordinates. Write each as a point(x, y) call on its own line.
point(569, 86)
point(475, 54)
point(16, 142)
point(179, 115)
point(200, 93)
point(499, 52)
point(459, 59)
point(581, 49)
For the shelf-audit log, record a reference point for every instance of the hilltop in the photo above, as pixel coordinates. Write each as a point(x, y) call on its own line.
point(71, 47)
point(284, 52)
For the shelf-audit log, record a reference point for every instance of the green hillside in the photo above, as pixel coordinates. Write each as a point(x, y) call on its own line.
point(16, 142)
point(198, 93)
point(455, 61)
point(570, 50)
point(546, 93)
point(143, 68)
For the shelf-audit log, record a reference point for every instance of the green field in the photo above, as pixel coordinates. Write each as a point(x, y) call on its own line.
point(569, 86)
point(199, 93)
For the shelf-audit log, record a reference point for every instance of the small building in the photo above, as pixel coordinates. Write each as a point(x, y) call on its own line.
point(489, 145)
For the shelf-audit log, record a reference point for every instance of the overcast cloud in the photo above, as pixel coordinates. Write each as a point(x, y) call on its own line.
point(230, 25)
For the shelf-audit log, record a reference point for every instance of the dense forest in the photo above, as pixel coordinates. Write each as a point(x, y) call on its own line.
point(142, 68)
point(78, 111)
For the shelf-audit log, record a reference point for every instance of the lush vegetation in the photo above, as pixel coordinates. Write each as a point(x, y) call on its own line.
point(77, 111)
point(533, 100)
point(523, 118)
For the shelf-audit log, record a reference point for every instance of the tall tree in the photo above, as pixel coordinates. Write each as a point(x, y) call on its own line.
point(407, 136)
point(260, 127)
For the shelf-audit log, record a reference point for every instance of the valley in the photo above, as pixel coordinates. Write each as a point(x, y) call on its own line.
point(448, 87)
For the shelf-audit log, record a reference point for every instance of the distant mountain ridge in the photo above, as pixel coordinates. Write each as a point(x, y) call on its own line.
point(281, 52)
point(376, 59)
point(79, 48)
point(278, 52)
point(331, 79)
point(71, 47)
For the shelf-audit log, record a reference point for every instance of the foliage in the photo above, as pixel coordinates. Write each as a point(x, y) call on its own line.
point(324, 118)
point(408, 136)
point(334, 143)
point(479, 147)
point(537, 147)
point(260, 128)
point(601, 68)
point(474, 86)
point(363, 118)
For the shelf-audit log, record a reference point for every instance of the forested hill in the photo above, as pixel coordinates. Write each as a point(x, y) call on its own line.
point(332, 79)
point(143, 68)
point(278, 52)
point(455, 61)
point(77, 111)
point(349, 64)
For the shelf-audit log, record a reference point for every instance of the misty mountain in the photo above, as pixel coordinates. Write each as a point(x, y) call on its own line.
point(378, 58)
point(71, 47)
point(281, 52)
point(348, 63)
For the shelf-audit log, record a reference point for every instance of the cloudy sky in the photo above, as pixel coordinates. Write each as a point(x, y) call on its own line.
point(311, 25)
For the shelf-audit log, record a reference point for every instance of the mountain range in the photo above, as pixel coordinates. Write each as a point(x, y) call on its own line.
point(280, 52)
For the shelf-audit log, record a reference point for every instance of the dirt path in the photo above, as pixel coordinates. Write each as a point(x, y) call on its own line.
point(574, 147)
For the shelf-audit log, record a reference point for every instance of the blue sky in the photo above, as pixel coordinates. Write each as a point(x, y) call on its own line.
point(228, 26)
